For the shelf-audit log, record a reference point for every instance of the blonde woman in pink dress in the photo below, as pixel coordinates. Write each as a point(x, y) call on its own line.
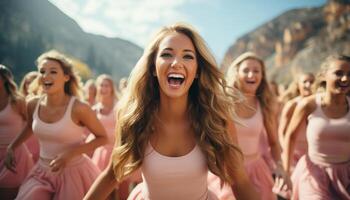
point(301, 88)
point(31, 143)
point(324, 173)
point(174, 124)
point(257, 116)
point(12, 122)
point(58, 119)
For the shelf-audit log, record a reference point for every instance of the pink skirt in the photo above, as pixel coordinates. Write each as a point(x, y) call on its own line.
point(224, 193)
point(71, 182)
point(321, 181)
point(102, 156)
point(261, 177)
point(24, 164)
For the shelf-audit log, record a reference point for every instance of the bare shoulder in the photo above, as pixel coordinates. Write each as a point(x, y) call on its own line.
point(80, 108)
point(31, 104)
point(308, 104)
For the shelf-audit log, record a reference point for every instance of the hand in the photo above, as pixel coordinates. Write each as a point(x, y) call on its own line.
point(283, 184)
point(60, 161)
point(10, 160)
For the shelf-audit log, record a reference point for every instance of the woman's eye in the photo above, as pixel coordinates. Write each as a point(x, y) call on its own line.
point(189, 57)
point(53, 72)
point(165, 55)
point(338, 73)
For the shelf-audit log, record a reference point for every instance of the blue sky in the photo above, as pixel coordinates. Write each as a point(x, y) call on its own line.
point(220, 22)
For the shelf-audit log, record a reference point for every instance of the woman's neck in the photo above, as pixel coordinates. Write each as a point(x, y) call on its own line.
point(330, 99)
point(56, 99)
point(251, 99)
point(107, 101)
point(173, 109)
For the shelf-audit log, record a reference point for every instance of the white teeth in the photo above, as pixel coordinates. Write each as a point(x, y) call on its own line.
point(176, 76)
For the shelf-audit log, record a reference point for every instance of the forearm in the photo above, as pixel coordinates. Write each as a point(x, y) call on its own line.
point(90, 146)
point(103, 185)
point(245, 191)
point(289, 143)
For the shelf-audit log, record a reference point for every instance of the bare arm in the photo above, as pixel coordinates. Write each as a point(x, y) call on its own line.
point(103, 185)
point(242, 188)
point(302, 110)
point(286, 115)
point(27, 112)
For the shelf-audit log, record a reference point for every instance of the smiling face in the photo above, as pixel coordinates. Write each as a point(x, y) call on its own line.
point(304, 84)
point(249, 76)
point(104, 88)
point(175, 65)
point(51, 76)
point(338, 77)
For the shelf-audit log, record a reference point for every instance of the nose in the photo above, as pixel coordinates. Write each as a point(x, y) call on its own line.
point(176, 62)
point(307, 84)
point(250, 74)
point(344, 78)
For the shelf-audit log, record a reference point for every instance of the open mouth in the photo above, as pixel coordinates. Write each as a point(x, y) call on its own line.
point(250, 82)
point(47, 84)
point(175, 79)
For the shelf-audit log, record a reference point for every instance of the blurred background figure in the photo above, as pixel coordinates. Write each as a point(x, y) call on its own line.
point(26, 81)
point(89, 91)
point(12, 121)
point(123, 83)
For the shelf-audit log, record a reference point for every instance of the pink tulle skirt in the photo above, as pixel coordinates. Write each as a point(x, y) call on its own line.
point(321, 181)
point(71, 182)
point(24, 164)
point(261, 177)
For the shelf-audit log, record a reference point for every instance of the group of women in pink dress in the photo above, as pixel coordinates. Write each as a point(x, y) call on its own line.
point(181, 129)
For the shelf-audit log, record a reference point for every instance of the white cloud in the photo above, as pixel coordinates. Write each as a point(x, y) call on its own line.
point(134, 20)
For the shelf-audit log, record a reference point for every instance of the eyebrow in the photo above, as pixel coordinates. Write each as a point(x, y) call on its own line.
point(171, 49)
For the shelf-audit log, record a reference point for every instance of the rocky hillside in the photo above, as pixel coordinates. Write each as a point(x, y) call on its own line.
point(298, 40)
point(30, 27)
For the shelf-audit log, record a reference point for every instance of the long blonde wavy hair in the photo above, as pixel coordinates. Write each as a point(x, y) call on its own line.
point(210, 107)
point(73, 86)
point(264, 93)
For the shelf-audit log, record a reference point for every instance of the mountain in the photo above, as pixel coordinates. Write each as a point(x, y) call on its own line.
point(298, 40)
point(30, 27)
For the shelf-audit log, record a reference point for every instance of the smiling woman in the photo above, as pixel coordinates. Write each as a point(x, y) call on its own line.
point(175, 123)
point(58, 119)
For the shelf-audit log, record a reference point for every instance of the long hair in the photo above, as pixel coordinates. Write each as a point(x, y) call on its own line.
point(10, 86)
point(263, 93)
point(209, 108)
point(99, 80)
point(73, 86)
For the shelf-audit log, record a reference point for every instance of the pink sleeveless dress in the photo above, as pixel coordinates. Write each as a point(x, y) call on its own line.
point(11, 124)
point(249, 139)
point(102, 154)
point(32, 144)
point(324, 173)
point(173, 178)
point(70, 182)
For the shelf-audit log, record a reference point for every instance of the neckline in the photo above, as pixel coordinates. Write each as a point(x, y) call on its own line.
point(172, 157)
point(332, 118)
point(254, 115)
point(59, 120)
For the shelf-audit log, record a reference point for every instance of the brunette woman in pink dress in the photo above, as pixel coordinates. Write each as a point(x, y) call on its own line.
point(324, 173)
point(58, 119)
point(300, 88)
point(12, 122)
point(175, 123)
point(257, 116)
